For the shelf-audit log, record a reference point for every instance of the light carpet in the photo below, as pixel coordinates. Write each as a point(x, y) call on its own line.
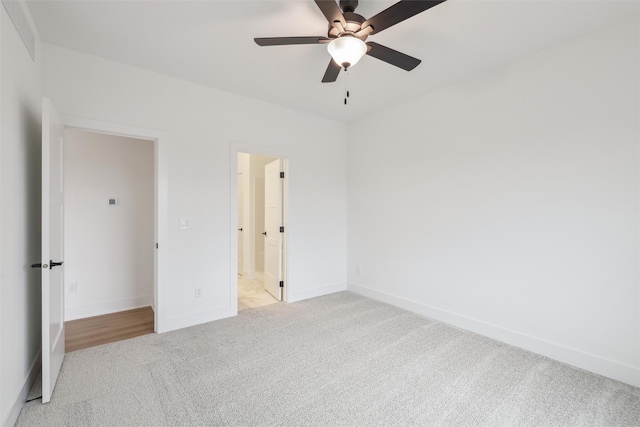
point(340, 359)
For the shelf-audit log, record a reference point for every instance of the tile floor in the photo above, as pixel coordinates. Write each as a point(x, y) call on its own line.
point(251, 294)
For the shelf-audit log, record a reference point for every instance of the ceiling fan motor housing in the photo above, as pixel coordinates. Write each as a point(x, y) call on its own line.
point(353, 25)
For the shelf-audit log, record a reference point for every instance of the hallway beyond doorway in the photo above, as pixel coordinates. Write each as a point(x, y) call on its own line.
point(251, 294)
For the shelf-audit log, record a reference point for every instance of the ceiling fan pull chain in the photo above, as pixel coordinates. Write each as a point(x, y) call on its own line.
point(346, 77)
point(346, 86)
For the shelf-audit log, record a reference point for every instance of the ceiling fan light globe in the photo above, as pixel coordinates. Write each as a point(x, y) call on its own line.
point(347, 50)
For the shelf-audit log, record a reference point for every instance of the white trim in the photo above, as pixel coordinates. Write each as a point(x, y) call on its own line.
point(286, 295)
point(161, 145)
point(197, 318)
point(21, 398)
point(317, 292)
point(107, 307)
point(590, 362)
point(3, 393)
point(17, 12)
point(235, 148)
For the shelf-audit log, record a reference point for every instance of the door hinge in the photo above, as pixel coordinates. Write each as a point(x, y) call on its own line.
point(156, 246)
point(281, 284)
point(281, 174)
point(282, 229)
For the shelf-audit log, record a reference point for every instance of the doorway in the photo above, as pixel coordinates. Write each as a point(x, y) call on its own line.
point(110, 235)
point(260, 232)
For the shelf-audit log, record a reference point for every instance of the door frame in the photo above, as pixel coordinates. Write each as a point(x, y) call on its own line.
point(160, 140)
point(259, 150)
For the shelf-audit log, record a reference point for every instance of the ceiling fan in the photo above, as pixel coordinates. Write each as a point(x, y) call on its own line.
point(348, 31)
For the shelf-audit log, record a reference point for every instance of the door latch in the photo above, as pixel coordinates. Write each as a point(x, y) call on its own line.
point(54, 264)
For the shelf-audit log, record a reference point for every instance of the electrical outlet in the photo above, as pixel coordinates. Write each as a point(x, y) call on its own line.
point(185, 223)
point(198, 292)
point(358, 270)
point(73, 287)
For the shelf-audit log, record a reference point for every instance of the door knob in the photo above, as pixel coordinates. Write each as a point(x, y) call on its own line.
point(265, 233)
point(239, 229)
point(49, 266)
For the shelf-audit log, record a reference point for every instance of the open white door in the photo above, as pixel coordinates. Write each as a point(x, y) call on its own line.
point(240, 224)
point(52, 249)
point(272, 224)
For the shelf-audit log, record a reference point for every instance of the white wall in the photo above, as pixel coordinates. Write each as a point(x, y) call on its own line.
point(508, 203)
point(109, 250)
point(201, 125)
point(20, 156)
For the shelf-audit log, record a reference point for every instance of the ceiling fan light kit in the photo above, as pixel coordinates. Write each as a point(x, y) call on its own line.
point(347, 50)
point(348, 33)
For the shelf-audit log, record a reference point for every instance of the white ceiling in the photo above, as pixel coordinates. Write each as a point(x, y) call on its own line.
point(211, 42)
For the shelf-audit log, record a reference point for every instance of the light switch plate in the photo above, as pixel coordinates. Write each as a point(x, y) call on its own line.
point(185, 223)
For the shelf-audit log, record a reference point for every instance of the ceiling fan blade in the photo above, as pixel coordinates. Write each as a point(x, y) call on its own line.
point(331, 11)
point(400, 11)
point(332, 72)
point(281, 41)
point(392, 57)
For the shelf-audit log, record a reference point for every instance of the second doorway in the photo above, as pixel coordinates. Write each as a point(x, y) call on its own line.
point(110, 239)
point(260, 230)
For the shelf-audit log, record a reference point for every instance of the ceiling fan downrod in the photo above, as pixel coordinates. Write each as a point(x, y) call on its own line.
point(348, 5)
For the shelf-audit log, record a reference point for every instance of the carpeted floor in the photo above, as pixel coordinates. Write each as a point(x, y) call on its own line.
point(340, 359)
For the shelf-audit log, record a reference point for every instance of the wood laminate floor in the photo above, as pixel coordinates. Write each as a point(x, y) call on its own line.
point(92, 331)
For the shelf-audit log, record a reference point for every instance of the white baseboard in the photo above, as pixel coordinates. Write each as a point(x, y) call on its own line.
point(316, 292)
point(589, 362)
point(106, 307)
point(197, 318)
point(21, 398)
